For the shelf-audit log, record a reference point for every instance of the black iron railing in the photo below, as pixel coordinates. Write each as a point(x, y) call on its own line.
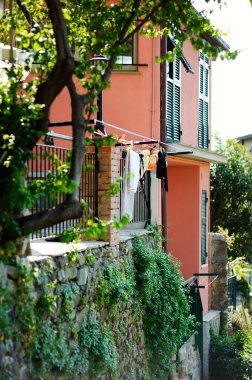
point(45, 161)
point(232, 291)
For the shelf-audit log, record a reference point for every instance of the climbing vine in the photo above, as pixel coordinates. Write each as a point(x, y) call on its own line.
point(165, 308)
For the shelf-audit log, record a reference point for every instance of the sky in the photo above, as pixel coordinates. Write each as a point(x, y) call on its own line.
point(232, 80)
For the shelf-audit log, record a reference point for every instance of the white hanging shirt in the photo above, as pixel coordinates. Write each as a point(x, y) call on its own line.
point(130, 182)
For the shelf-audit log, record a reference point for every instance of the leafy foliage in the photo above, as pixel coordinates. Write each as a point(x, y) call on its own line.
point(243, 287)
point(166, 312)
point(231, 197)
point(99, 342)
point(114, 286)
point(230, 357)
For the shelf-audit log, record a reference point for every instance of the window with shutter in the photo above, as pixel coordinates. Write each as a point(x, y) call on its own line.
point(203, 227)
point(173, 101)
point(203, 138)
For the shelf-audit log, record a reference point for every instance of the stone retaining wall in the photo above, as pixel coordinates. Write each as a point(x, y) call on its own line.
point(71, 283)
point(189, 363)
point(61, 299)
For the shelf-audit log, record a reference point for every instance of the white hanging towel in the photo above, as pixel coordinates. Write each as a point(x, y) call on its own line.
point(130, 182)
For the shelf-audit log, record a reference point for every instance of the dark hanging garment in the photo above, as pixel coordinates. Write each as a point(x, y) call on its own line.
point(162, 169)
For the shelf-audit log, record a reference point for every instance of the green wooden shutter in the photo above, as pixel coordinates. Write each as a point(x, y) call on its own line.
point(177, 68)
point(173, 91)
point(201, 133)
point(205, 125)
point(169, 112)
point(176, 119)
point(206, 82)
point(203, 227)
point(201, 79)
point(203, 102)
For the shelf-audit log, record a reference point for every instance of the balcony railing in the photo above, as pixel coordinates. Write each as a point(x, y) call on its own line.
point(232, 291)
point(43, 163)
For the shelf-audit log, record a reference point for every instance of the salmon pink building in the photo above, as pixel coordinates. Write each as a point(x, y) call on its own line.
point(169, 103)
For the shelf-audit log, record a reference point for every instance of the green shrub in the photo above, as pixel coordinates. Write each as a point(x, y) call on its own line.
point(231, 357)
point(242, 286)
point(165, 308)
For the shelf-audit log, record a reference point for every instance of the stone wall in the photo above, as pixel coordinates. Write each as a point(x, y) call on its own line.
point(74, 315)
point(189, 363)
point(66, 288)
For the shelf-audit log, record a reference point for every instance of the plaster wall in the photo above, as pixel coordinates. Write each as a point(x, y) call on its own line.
point(183, 221)
point(187, 179)
point(190, 98)
point(132, 101)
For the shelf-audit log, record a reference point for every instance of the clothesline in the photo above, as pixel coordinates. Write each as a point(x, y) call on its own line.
point(124, 130)
point(204, 281)
point(143, 137)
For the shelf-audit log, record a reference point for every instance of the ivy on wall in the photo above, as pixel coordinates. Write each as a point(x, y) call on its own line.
point(142, 290)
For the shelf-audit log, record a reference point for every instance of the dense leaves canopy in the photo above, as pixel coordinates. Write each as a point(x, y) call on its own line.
point(231, 197)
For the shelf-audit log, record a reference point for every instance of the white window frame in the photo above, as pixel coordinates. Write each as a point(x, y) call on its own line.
point(204, 63)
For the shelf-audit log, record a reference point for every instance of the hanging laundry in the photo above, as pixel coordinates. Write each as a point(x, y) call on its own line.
point(153, 159)
point(162, 169)
point(130, 182)
point(144, 161)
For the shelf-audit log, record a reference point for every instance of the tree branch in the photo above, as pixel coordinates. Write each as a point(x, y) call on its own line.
point(79, 126)
point(28, 16)
point(63, 68)
point(43, 219)
point(140, 24)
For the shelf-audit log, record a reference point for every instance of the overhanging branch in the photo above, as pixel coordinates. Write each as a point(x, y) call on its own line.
point(43, 219)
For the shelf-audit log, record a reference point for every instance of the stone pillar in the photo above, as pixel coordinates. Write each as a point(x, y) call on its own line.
point(219, 258)
point(109, 173)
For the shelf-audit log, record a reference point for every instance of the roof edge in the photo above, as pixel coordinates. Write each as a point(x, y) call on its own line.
point(199, 154)
point(215, 41)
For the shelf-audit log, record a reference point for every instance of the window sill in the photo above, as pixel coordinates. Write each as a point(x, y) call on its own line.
point(125, 71)
point(129, 68)
point(204, 266)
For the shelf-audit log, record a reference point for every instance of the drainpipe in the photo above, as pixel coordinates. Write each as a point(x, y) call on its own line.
point(152, 91)
point(163, 138)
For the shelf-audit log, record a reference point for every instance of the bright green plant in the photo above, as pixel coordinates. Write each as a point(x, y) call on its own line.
point(165, 308)
point(114, 286)
point(99, 342)
point(68, 293)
